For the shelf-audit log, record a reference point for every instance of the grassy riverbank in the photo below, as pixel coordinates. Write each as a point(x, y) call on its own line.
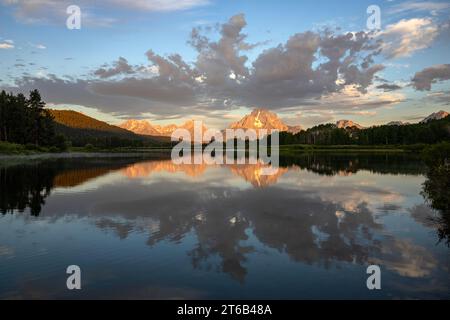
point(298, 148)
point(17, 149)
point(12, 149)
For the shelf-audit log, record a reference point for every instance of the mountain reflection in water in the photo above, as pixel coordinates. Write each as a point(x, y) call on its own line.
point(327, 211)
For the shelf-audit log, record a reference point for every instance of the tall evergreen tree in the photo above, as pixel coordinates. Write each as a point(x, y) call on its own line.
point(25, 120)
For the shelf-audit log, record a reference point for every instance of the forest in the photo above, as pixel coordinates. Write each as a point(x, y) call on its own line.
point(25, 121)
point(432, 132)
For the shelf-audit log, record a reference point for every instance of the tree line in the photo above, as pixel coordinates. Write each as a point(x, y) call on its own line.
point(26, 121)
point(328, 134)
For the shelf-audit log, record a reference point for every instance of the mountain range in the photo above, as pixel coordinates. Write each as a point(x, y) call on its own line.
point(82, 129)
point(257, 119)
point(75, 125)
point(144, 127)
point(434, 116)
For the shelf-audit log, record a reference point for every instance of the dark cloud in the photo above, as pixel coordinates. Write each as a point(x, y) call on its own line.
point(174, 86)
point(389, 87)
point(97, 15)
point(176, 93)
point(172, 68)
point(127, 97)
point(440, 97)
point(216, 61)
point(120, 66)
point(423, 79)
point(78, 92)
point(310, 65)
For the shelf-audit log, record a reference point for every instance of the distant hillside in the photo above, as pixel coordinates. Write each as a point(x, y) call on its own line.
point(82, 129)
point(77, 120)
point(397, 123)
point(429, 132)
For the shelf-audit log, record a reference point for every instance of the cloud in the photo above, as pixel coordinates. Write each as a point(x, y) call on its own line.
point(76, 92)
point(6, 45)
point(120, 66)
point(44, 11)
point(284, 75)
point(421, 6)
point(173, 86)
point(216, 61)
point(127, 97)
point(172, 68)
point(424, 79)
point(154, 89)
point(388, 87)
point(405, 37)
point(406, 258)
point(6, 251)
point(158, 5)
point(311, 69)
point(351, 101)
point(441, 97)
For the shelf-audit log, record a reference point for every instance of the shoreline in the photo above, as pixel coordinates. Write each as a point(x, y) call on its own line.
point(284, 150)
point(81, 154)
point(131, 153)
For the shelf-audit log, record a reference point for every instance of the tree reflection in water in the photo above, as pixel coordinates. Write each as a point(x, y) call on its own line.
point(27, 185)
point(296, 221)
point(436, 189)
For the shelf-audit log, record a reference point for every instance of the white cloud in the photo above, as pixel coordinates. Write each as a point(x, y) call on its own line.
point(323, 70)
point(6, 45)
point(38, 46)
point(422, 6)
point(352, 101)
point(406, 258)
point(159, 5)
point(39, 11)
point(405, 37)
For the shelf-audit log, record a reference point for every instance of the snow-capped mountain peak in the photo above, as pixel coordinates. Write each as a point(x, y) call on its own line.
point(435, 116)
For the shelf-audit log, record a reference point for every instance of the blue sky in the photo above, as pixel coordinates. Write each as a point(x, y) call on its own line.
point(38, 50)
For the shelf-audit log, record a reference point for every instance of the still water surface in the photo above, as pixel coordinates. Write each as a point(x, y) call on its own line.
point(148, 229)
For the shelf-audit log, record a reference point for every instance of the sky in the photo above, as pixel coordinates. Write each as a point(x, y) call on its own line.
point(169, 61)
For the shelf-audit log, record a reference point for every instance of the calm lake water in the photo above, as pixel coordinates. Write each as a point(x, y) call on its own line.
point(148, 229)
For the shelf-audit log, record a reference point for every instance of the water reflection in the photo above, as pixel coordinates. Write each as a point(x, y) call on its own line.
point(436, 190)
point(27, 185)
point(327, 211)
